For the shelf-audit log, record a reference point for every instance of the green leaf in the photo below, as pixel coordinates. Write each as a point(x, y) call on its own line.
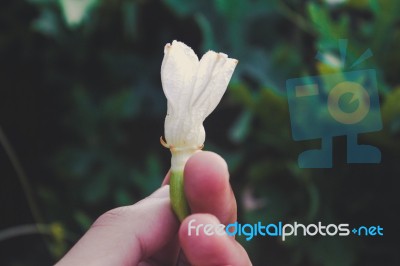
point(241, 94)
point(123, 197)
point(329, 31)
point(231, 8)
point(207, 31)
point(129, 14)
point(241, 128)
point(182, 7)
point(121, 105)
point(83, 219)
point(75, 11)
point(47, 23)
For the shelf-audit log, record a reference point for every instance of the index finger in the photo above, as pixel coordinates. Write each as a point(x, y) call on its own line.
point(207, 187)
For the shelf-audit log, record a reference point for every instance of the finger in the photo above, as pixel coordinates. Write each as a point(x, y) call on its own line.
point(163, 192)
point(209, 250)
point(127, 235)
point(207, 188)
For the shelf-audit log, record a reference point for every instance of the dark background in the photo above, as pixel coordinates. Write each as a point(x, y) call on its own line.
point(82, 110)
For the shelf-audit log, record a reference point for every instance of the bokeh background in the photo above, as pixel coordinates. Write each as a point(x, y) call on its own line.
point(82, 110)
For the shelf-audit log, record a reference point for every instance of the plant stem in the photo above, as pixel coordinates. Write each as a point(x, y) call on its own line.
point(26, 229)
point(21, 176)
point(177, 195)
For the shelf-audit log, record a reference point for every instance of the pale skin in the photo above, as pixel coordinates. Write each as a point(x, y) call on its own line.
point(148, 232)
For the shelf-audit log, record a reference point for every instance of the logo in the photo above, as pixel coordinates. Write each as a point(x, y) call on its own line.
point(338, 104)
point(358, 94)
point(281, 230)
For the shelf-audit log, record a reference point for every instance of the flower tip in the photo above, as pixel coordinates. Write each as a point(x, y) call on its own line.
point(179, 44)
point(167, 47)
point(222, 55)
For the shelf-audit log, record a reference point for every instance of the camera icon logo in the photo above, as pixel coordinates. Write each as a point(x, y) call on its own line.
point(339, 104)
point(358, 92)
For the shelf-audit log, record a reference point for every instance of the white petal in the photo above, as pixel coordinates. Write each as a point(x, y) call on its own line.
point(204, 74)
point(178, 73)
point(184, 131)
point(219, 83)
point(213, 75)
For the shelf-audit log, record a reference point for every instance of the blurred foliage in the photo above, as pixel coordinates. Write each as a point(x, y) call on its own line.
point(83, 106)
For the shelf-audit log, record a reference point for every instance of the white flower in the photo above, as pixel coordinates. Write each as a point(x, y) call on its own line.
point(193, 89)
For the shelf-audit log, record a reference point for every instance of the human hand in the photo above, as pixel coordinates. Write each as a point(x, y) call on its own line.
point(148, 232)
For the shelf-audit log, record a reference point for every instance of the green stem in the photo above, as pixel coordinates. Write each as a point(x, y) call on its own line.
point(23, 179)
point(177, 195)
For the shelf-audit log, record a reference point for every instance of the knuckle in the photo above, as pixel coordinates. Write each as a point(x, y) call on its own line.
point(112, 217)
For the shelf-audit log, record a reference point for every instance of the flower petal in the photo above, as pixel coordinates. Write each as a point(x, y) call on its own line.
point(204, 73)
point(213, 75)
point(220, 82)
point(178, 73)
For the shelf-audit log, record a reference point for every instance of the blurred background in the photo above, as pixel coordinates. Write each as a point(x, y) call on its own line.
point(82, 110)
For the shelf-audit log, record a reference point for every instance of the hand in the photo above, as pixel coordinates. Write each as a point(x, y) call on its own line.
point(148, 232)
